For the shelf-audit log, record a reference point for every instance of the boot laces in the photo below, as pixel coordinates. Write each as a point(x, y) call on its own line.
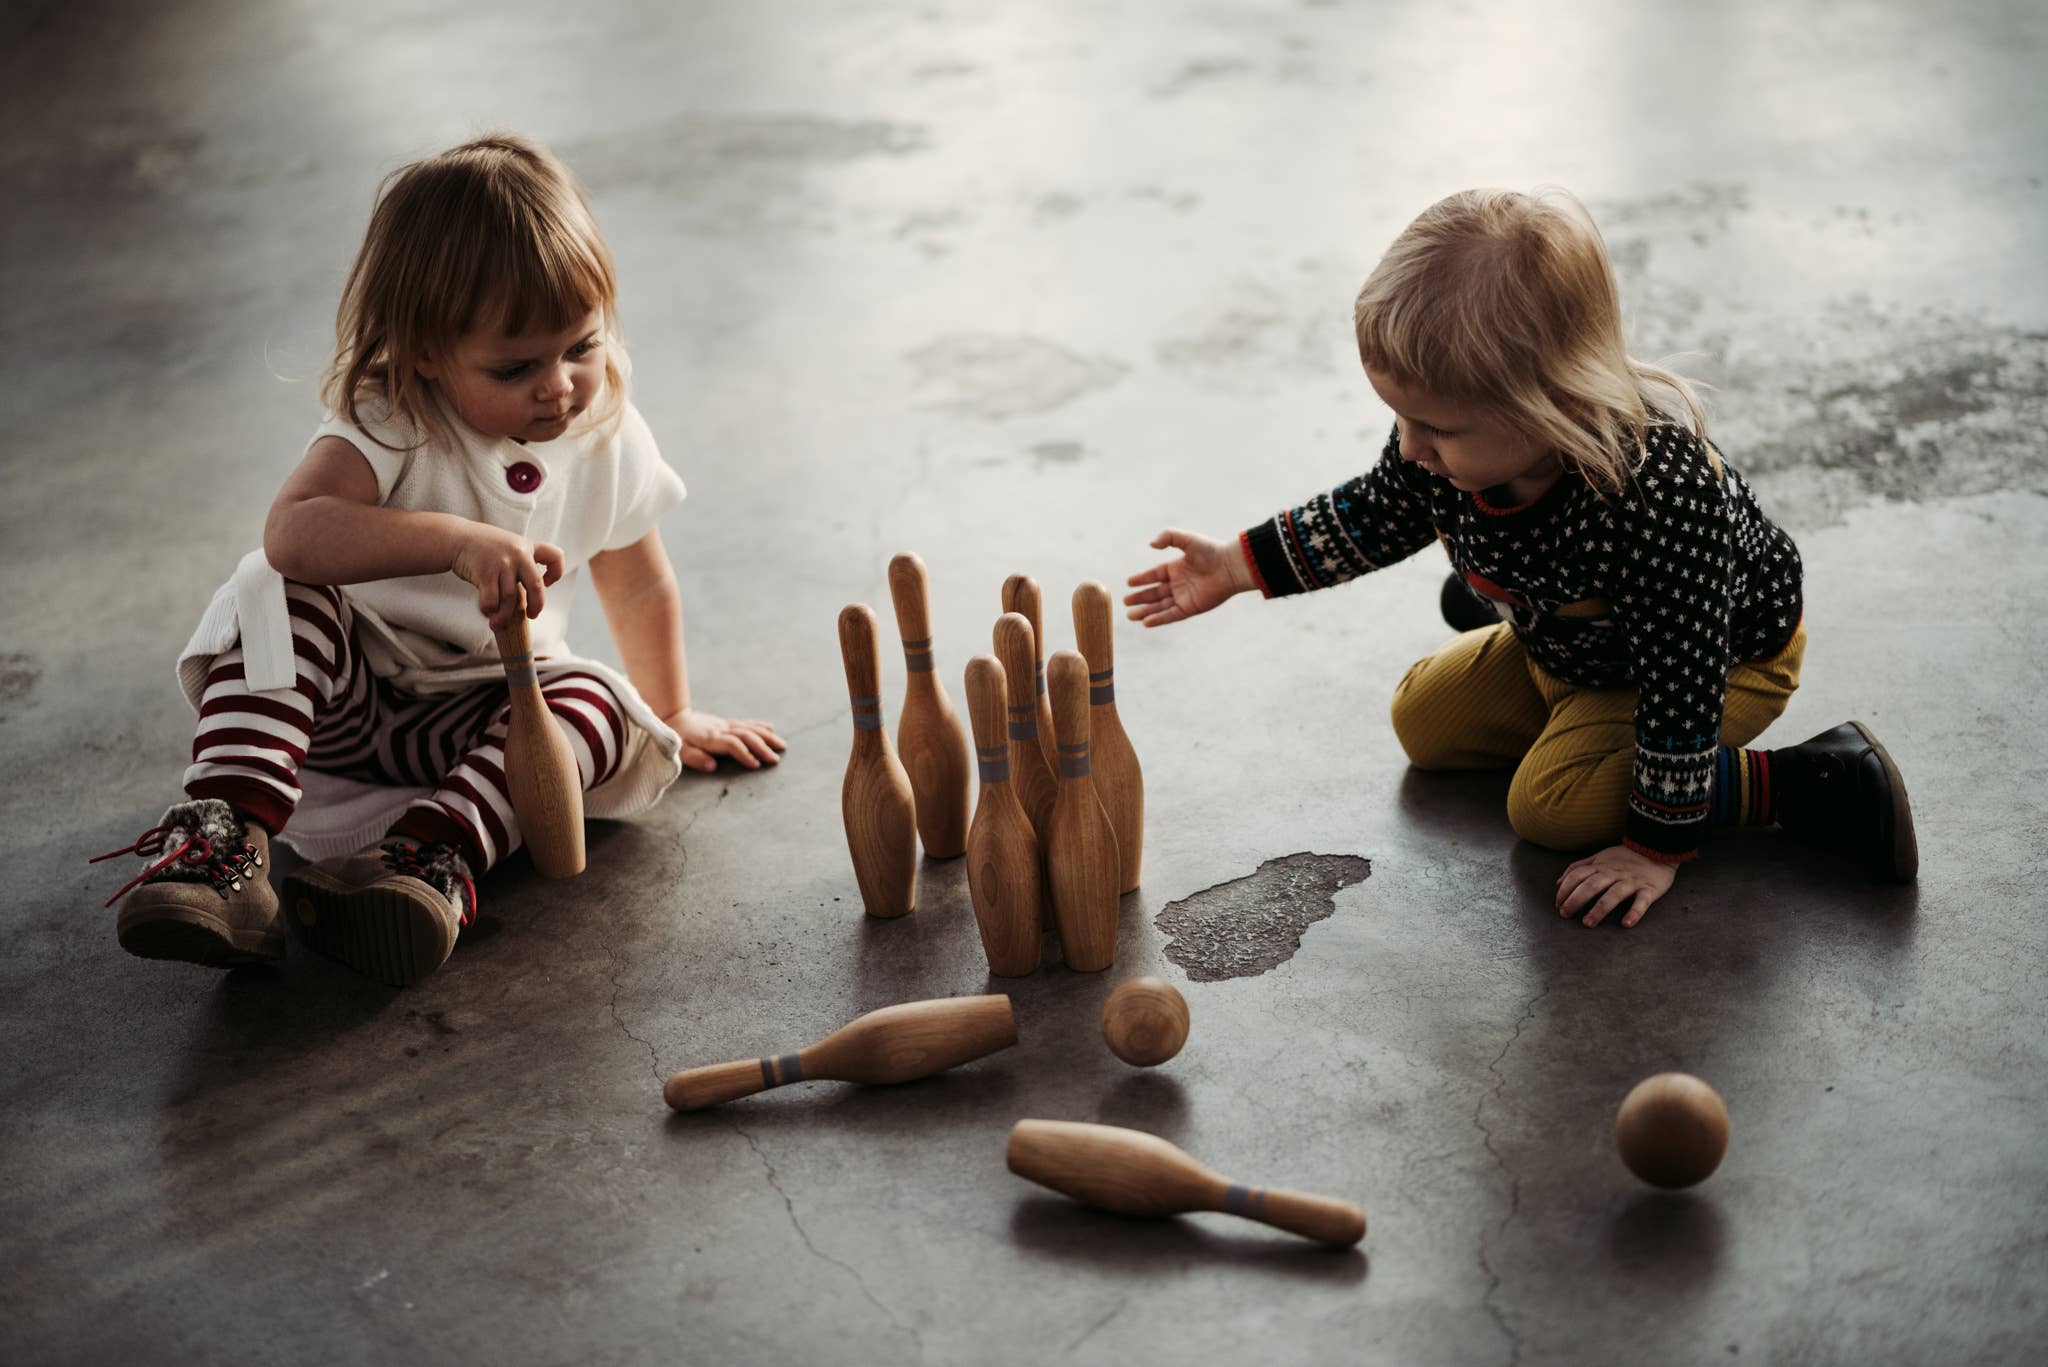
point(403, 856)
point(224, 869)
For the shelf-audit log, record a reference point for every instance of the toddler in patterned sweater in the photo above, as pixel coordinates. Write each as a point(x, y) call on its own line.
point(1629, 618)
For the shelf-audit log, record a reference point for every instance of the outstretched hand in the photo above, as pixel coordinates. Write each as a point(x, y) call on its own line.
point(1207, 574)
point(1599, 883)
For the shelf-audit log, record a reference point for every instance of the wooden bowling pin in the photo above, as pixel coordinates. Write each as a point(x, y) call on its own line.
point(1081, 859)
point(541, 776)
point(1030, 771)
point(1020, 595)
point(881, 819)
point(929, 739)
point(1134, 1173)
point(895, 1044)
point(1118, 780)
point(1003, 871)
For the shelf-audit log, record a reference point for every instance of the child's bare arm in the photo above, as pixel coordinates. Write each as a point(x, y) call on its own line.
point(326, 527)
point(637, 586)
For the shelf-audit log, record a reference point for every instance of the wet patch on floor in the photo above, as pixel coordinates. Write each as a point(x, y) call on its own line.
point(1827, 407)
point(1058, 453)
point(1252, 924)
point(1201, 71)
point(985, 375)
point(1882, 407)
point(1258, 340)
point(18, 676)
point(740, 174)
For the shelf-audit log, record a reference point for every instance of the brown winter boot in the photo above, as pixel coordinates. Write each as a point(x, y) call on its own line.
point(391, 911)
point(207, 898)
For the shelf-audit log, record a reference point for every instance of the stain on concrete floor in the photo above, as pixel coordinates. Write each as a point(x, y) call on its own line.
point(1252, 924)
point(1827, 408)
point(983, 375)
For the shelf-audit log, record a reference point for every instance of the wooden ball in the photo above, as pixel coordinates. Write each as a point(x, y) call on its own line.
point(1672, 1130)
point(1145, 1021)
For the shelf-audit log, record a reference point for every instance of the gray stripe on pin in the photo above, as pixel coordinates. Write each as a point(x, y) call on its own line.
point(1235, 1199)
point(1024, 730)
point(790, 1068)
point(995, 771)
point(521, 676)
point(867, 721)
point(1101, 694)
point(1073, 768)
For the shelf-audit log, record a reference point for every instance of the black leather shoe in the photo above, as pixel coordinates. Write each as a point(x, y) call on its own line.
point(1463, 609)
point(1842, 792)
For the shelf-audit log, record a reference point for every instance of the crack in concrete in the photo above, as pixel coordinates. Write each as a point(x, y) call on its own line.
point(653, 1058)
point(789, 1206)
point(1089, 1332)
point(1493, 1278)
point(617, 960)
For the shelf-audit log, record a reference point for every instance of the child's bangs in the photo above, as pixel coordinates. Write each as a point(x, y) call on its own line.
point(547, 285)
point(1430, 345)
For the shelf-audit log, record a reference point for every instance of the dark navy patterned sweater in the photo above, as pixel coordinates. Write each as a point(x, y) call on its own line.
point(1661, 589)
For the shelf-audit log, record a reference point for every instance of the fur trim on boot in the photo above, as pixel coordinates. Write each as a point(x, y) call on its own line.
point(206, 897)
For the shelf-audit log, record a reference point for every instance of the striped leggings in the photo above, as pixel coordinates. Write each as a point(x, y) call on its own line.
point(340, 718)
point(1480, 702)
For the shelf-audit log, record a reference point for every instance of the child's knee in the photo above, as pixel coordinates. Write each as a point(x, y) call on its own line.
point(1419, 725)
point(1553, 816)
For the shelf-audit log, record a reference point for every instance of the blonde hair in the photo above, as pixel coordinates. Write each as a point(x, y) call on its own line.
point(1507, 301)
point(493, 232)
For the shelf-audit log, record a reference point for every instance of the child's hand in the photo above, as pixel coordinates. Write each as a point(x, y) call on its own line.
point(1207, 574)
point(706, 737)
point(1601, 882)
point(499, 563)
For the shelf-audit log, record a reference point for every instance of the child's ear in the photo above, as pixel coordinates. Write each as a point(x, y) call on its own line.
point(426, 367)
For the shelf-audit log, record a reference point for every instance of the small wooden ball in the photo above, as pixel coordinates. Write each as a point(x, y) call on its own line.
point(1672, 1130)
point(1145, 1021)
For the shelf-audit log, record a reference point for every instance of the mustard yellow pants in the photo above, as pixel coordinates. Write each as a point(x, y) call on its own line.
point(1480, 703)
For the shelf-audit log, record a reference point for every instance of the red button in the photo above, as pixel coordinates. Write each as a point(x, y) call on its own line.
point(523, 476)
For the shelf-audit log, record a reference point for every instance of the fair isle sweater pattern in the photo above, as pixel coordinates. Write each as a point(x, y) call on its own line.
point(1661, 589)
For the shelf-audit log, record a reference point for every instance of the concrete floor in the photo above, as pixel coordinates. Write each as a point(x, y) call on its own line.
point(1014, 287)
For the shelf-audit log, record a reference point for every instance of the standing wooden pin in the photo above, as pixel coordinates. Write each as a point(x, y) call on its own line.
point(895, 1044)
point(1003, 872)
point(1118, 780)
point(1020, 595)
point(881, 822)
point(1134, 1173)
point(1029, 771)
point(929, 738)
point(1080, 857)
point(541, 776)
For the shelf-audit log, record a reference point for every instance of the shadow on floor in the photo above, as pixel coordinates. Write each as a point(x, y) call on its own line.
point(1669, 1240)
point(1053, 1228)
